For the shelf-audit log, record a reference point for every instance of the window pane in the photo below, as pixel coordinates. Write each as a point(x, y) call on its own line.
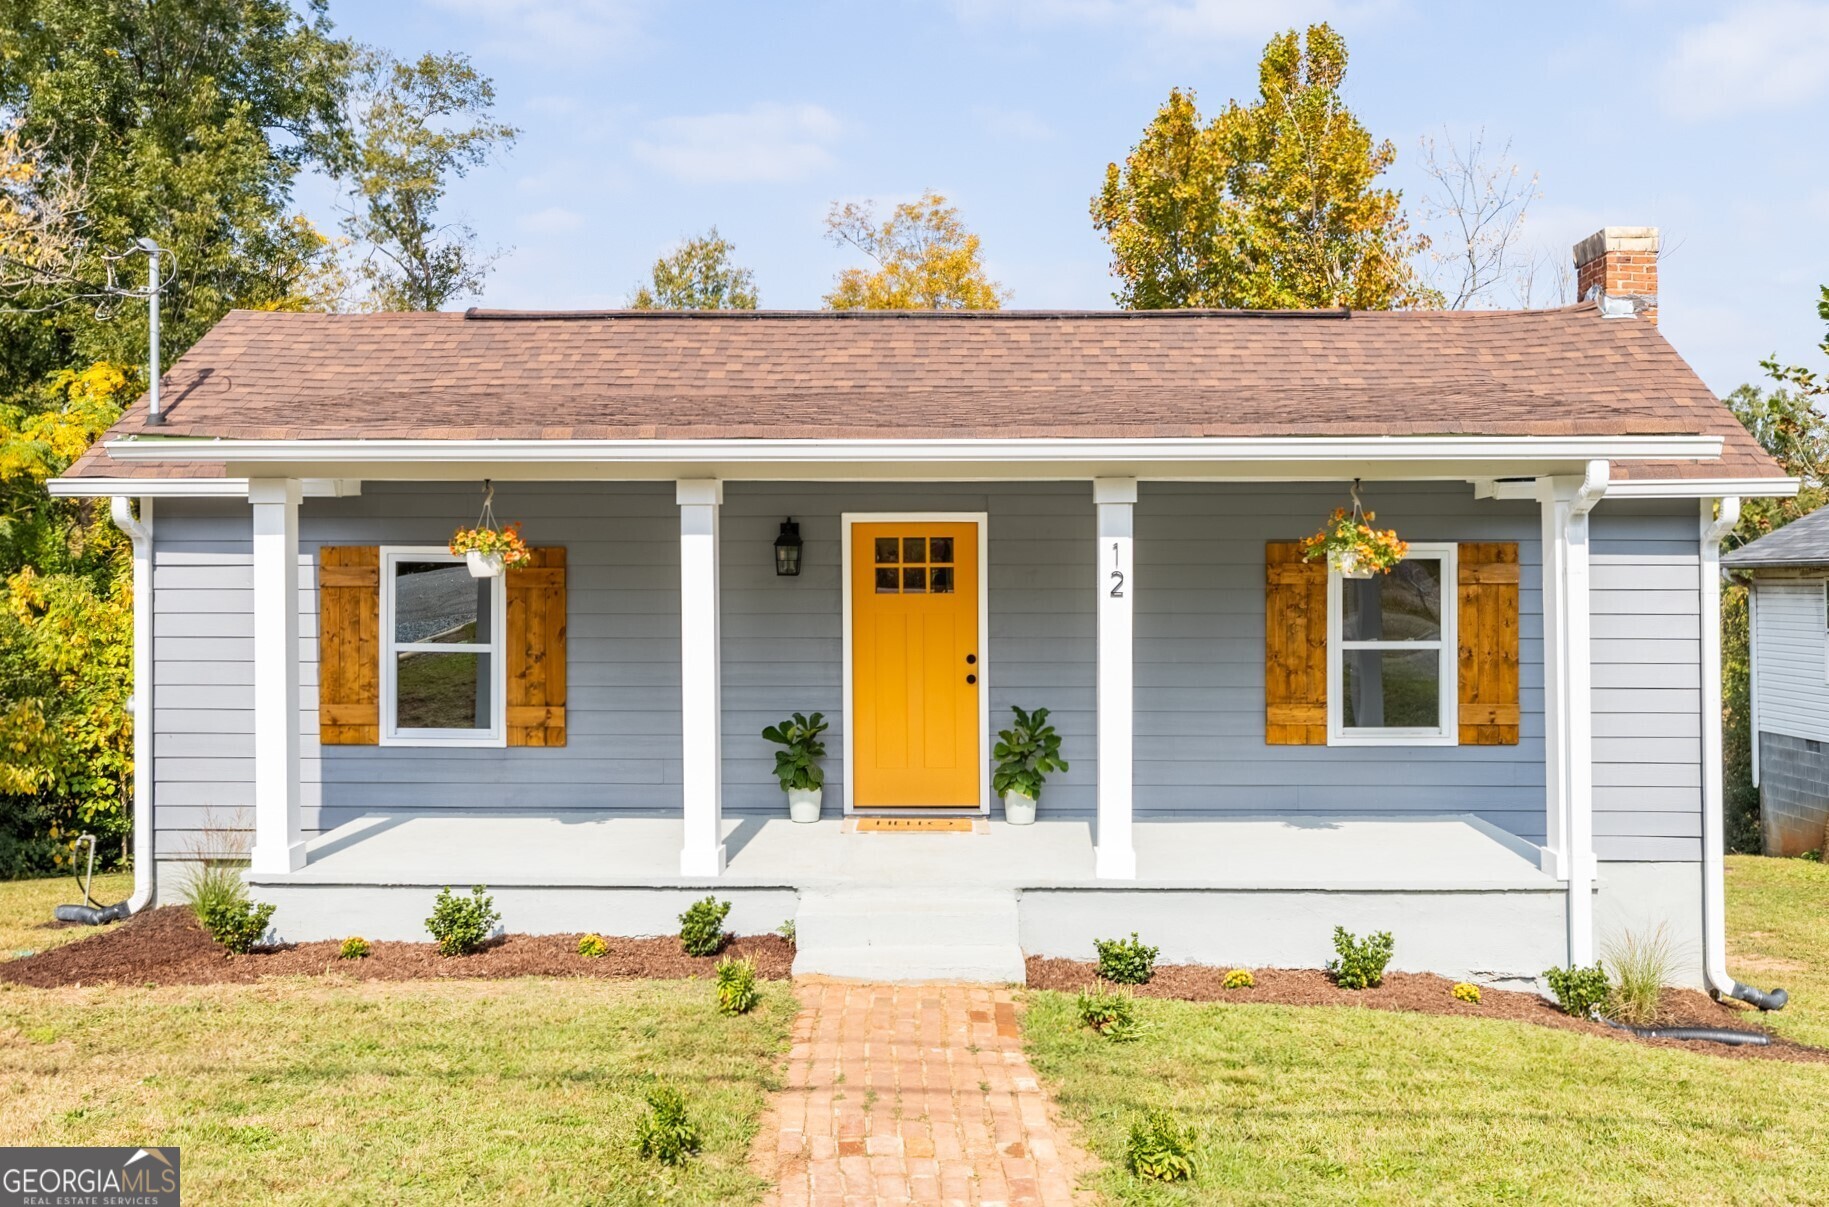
point(441, 691)
point(886, 581)
point(914, 549)
point(886, 549)
point(914, 579)
point(940, 549)
point(438, 601)
point(941, 580)
point(1391, 689)
point(1404, 605)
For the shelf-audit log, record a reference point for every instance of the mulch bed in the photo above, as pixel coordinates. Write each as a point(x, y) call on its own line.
point(167, 947)
point(1425, 993)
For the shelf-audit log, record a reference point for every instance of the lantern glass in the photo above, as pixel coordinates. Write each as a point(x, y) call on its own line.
point(787, 550)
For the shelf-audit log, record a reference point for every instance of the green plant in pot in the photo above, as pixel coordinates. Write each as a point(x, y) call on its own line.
point(1027, 753)
point(797, 763)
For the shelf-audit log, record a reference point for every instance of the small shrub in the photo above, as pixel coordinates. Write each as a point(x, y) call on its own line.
point(1240, 978)
point(1160, 1150)
point(736, 983)
point(354, 948)
point(1126, 961)
point(1579, 991)
point(593, 946)
point(1361, 961)
point(1110, 1012)
point(664, 1134)
point(213, 886)
point(786, 931)
point(237, 924)
point(702, 927)
point(1639, 967)
point(460, 924)
point(1464, 992)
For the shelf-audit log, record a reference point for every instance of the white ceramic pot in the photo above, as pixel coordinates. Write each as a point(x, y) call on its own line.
point(1349, 566)
point(803, 804)
point(1018, 810)
point(484, 565)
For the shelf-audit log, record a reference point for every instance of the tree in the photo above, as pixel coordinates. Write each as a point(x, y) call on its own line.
point(41, 219)
point(698, 275)
point(925, 259)
point(1479, 200)
point(1272, 204)
point(415, 127)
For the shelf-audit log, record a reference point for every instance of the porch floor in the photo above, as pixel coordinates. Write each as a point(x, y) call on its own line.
point(1436, 853)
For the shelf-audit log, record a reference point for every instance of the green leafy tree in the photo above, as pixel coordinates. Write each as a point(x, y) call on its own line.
point(925, 259)
point(414, 128)
point(698, 275)
point(1272, 204)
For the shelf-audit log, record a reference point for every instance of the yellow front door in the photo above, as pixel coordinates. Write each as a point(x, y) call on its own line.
point(915, 665)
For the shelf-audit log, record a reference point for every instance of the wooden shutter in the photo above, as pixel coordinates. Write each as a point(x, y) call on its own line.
point(349, 645)
point(1295, 647)
point(536, 650)
point(1488, 629)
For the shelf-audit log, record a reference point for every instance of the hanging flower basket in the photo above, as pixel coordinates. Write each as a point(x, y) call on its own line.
point(489, 550)
point(1352, 547)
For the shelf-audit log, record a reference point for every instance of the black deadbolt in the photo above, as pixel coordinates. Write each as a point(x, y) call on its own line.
point(970, 659)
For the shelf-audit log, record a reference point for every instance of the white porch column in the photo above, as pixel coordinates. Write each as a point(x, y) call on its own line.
point(1568, 697)
point(702, 777)
point(278, 846)
point(1114, 856)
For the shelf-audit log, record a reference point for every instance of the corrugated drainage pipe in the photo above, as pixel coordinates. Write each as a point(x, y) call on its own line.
point(1714, 1035)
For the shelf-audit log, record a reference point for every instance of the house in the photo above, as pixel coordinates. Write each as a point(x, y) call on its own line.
point(1096, 513)
point(1787, 575)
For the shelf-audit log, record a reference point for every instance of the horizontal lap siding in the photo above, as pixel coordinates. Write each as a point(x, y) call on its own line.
point(1200, 662)
point(1793, 688)
point(1647, 654)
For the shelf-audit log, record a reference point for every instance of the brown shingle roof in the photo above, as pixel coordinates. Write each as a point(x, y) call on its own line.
point(653, 375)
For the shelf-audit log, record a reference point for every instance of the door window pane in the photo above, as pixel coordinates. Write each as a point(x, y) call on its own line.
point(940, 580)
point(1404, 605)
point(1391, 689)
point(886, 581)
point(441, 691)
point(914, 579)
point(940, 549)
point(914, 549)
point(886, 547)
point(438, 601)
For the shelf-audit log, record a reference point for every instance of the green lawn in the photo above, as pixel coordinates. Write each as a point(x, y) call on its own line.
point(1778, 934)
point(26, 905)
point(485, 1092)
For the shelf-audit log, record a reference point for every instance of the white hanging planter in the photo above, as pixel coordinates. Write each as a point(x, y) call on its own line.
point(803, 804)
point(1018, 810)
point(1347, 564)
point(485, 565)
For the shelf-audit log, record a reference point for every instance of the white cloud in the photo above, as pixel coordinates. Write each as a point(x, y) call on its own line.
point(764, 143)
point(1769, 54)
point(1176, 20)
point(553, 220)
point(1018, 124)
point(543, 29)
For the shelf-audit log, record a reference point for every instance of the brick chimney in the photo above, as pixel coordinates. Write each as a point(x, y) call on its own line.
point(1620, 262)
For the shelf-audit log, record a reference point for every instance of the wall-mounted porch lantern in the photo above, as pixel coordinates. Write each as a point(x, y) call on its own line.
point(787, 549)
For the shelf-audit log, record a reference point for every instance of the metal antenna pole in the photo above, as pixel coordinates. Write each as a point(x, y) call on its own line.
point(152, 250)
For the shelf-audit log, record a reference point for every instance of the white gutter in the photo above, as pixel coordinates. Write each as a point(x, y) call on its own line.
point(1713, 488)
point(182, 450)
point(189, 488)
point(145, 868)
point(1714, 845)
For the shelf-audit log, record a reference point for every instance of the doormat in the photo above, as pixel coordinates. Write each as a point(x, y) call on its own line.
point(957, 825)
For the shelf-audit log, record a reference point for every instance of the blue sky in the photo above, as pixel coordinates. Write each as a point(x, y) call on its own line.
point(645, 122)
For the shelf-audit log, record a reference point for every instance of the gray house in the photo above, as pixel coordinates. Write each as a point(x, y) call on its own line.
point(1787, 573)
point(1504, 752)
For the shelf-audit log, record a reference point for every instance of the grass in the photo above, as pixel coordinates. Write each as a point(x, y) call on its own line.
point(1776, 910)
point(1342, 1104)
point(26, 905)
point(422, 1092)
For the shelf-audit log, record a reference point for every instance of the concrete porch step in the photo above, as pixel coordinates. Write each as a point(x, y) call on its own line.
point(904, 933)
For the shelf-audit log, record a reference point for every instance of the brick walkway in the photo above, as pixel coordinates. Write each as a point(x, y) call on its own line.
point(913, 1094)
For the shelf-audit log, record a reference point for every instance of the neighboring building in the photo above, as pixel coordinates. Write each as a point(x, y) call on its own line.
point(1787, 574)
point(1504, 753)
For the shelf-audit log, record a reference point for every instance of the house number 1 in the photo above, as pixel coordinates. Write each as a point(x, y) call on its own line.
point(1117, 588)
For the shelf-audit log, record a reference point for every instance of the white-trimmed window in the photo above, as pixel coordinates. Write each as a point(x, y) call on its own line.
point(1391, 653)
point(443, 678)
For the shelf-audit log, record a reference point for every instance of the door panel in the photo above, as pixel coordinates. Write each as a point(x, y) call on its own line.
point(914, 641)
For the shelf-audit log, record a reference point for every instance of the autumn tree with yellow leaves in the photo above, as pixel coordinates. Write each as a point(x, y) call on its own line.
point(1272, 204)
point(925, 259)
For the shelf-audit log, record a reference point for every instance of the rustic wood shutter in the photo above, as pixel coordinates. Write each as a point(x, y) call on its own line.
point(1295, 647)
point(536, 650)
point(349, 645)
point(1488, 631)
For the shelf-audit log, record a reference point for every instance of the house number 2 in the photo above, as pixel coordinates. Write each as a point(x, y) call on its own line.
point(1117, 587)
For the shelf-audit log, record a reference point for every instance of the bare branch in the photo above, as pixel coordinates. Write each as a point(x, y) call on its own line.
point(1478, 200)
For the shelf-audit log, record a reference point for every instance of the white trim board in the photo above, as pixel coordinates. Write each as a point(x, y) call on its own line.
point(983, 520)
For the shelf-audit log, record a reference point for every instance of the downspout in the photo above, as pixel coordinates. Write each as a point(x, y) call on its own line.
point(1579, 680)
point(1715, 526)
point(145, 868)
